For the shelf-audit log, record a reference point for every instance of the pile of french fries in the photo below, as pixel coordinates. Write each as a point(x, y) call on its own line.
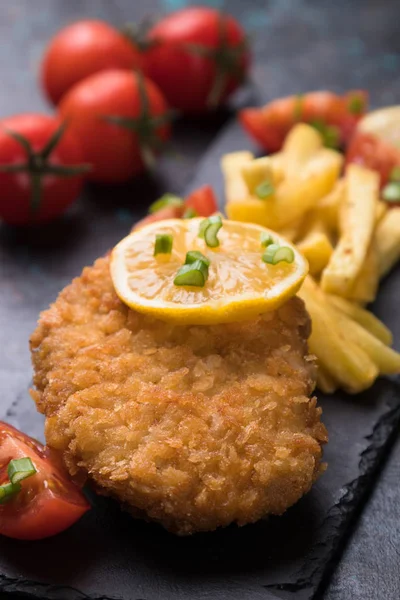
point(349, 237)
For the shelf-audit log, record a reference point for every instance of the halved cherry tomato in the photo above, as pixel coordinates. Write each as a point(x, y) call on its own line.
point(335, 116)
point(82, 49)
point(202, 201)
point(49, 502)
point(121, 119)
point(169, 212)
point(370, 151)
point(197, 56)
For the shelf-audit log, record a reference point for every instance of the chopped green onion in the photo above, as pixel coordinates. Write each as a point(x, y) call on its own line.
point(208, 230)
point(195, 274)
point(210, 234)
point(298, 108)
point(356, 105)
point(17, 470)
point(266, 239)
point(8, 490)
point(20, 469)
point(395, 174)
point(164, 201)
point(163, 244)
point(264, 189)
point(329, 133)
point(275, 254)
point(391, 192)
point(194, 255)
point(190, 213)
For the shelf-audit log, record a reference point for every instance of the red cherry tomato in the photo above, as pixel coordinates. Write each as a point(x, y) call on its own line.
point(48, 503)
point(83, 49)
point(197, 57)
point(169, 212)
point(202, 201)
point(121, 118)
point(33, 189)
point(370, 151)
point(335, 116)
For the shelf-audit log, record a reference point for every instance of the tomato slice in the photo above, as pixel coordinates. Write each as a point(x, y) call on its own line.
point(368, 150)
point(270, 124)
point(169, 212)
point(49, 502)
point(203, 201)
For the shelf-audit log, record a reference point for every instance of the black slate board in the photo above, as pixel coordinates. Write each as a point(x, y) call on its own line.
point(109, 555)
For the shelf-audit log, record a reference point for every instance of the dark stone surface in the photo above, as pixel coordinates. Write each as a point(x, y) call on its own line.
point(299, 45)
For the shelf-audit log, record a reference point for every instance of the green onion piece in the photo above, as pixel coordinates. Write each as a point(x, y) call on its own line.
point(203, 226)
point(195, 274)
point(298, 108)
point(20, 469)
point(190, 213)
point(164, 201)
point(264, 189)
point(194, 255)
point(330, 133)
point(266, 239)
point(8, 490)
point(275, 254)
point(211, 232)
point(391, 192)
point(395, 174)
point(356, 105)
point(163, 244)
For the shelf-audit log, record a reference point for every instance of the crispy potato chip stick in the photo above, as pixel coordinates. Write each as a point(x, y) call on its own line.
point(358, 214)
point(364, 317)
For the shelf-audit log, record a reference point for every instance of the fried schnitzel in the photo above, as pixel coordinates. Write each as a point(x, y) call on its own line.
point(194, 427)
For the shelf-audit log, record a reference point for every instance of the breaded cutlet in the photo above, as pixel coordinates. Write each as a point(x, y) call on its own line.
point(194, 427)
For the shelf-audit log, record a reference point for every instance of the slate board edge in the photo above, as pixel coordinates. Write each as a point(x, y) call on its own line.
point(350, 505)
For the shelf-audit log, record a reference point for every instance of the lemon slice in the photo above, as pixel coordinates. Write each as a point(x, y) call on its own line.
point(384, 123)
point(239, 286)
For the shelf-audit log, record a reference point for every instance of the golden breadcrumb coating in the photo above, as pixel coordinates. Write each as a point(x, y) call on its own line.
point(194, 427)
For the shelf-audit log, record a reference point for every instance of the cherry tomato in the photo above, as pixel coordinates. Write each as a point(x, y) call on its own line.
point(49, 502)
point(368, 150)
point(83, 49)
point(197, 57)
point(121, 119)
point(40, 169)
point(334, 116)
point(202, 201)
point(169, 212)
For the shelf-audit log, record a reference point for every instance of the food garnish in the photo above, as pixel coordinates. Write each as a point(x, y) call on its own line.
point(275, 254)
point(239, 284)
point(37, 497)
point(163, 244)
point(264, 190)
point(17, 471)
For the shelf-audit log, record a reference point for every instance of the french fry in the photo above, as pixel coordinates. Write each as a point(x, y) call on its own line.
point(250, 210)
point(301, 144)
point(325, 381)
point(328, 207)
point(294, 197)
point(317, 249)
point(344, 360)
point(363, 317)
point(366, 285)
point(387, 240)
point(386, 359)
point(357, 222)
point(235, 186)
point(381, 210)
point(262, 169)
